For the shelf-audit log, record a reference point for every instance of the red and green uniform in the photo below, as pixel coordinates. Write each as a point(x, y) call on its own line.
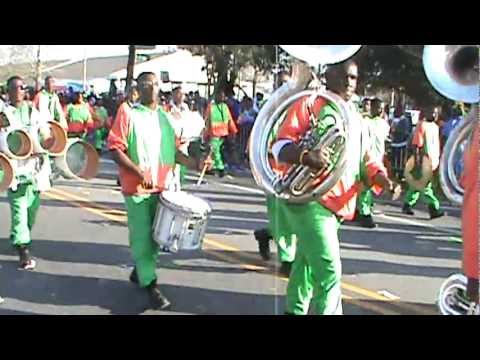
point(277, 209)
point(316, 272)
point(148, 139)
point(470, 229)
point(79, 120)
point(221, 124)
point(427, 138)
point(378, 131)
point(24, 195)
point(48, 104)
point(101, 130)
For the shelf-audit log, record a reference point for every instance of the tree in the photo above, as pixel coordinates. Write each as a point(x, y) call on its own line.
point(20, 60)
point(399, 67)
point(227, 60)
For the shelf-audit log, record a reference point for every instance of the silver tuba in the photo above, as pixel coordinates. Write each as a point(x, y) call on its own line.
point(297, 185)
point(453, 71)
point(452, 298)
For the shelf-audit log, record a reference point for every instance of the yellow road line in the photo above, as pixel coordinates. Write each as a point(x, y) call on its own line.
point(103, 211)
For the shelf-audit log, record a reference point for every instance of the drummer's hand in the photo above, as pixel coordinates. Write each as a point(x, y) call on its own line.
point(147, 183)
point(145, 178)
point(205, 162)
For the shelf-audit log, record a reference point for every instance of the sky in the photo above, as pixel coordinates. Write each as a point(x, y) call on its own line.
point(72, 52)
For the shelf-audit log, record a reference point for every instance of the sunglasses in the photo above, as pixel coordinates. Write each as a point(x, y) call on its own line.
point(146, 84)
point(19, 87)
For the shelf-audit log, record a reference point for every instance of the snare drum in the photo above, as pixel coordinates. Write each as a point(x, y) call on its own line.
point(181, 221)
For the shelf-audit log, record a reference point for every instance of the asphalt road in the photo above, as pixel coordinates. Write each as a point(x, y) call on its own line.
point(83, 260)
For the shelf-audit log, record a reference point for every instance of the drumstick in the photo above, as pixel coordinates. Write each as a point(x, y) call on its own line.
point(202, 175)
point(204, 171)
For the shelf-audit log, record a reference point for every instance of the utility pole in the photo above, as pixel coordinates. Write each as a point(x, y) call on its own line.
point(130, 66)
point(85, 69)
point(38, 72)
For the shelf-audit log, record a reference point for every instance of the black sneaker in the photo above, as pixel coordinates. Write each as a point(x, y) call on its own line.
point(435, 213)
point(366, 221)
point(157, 299)
point(286, 268)
point(263, 237)
point(220, 173)
point(407, 210)
point(26, 261)
point(133, 276)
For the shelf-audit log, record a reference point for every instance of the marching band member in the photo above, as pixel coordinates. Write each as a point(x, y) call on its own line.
point(316, 271)
point(79, 118)
point(24, 197)
point(378, 131)
point(125, 108)
point(143, 144)
point(101, 131)
point(426, 141)
point(470, 229)
point(182, 120)
point(48, 103)
point(220, 124)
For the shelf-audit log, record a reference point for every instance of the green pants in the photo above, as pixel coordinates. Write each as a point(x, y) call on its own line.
point(365, 202)
point(141, 213)
point(100, 136)
point(277, 212)
point(316, 272)
point(412, 196)
point(217, 157)
point(24, 205)
point(183, 173)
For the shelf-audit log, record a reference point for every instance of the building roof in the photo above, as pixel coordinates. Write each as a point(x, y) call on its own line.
point(100, 67)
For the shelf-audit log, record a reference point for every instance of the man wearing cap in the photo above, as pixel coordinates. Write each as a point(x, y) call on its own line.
point(144, 145)
point(48, 103)
point(425, 142)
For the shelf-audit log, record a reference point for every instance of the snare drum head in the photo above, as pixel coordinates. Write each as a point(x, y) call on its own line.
point(185, 201)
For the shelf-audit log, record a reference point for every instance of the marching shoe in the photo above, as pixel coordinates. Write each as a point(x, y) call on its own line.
point(26, 261)
point(286, 268)
point(407, 210)
point(435, 213)
point(366, 221)
point(263, 237)
point(157, 299)
point(134, 276)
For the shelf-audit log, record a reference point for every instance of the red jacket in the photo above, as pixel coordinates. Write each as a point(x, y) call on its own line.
point(471, 236)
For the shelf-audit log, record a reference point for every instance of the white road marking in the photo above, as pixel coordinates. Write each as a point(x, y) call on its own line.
point(398, 220)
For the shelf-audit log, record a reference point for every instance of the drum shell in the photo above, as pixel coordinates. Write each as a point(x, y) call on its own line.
point(178, 228)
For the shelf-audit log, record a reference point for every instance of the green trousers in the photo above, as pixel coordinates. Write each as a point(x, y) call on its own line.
point(100, 136)
point(412, 196)
point(277, 211)
point(365, 202)
point(24, 205)
point(141, 213)
point(217, 157)
point(316, 273)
